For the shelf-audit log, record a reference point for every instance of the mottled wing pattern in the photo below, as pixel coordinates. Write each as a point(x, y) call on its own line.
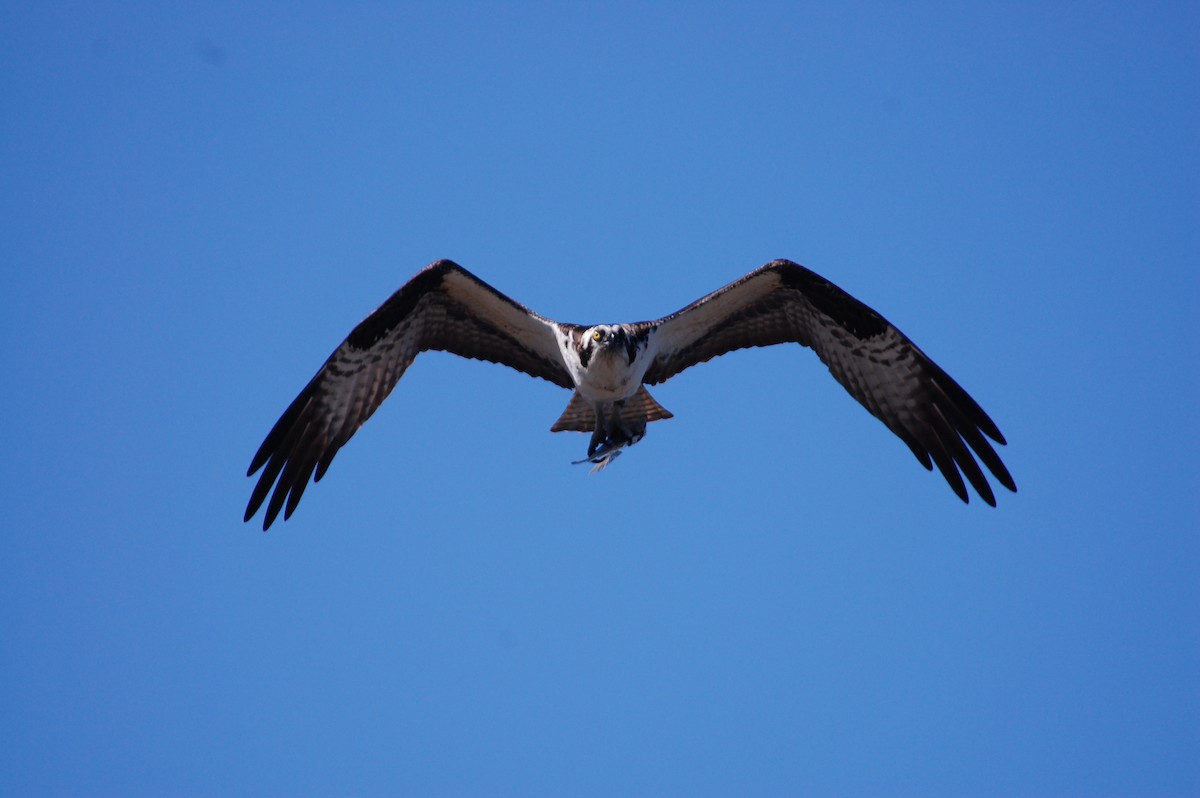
point(875, 362)
point(445, 308)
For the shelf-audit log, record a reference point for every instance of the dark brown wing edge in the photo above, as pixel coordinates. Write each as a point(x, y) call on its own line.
point(785, 302)
point(444, 307)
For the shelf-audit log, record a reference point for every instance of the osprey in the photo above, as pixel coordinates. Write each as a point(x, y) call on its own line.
point(608, 366)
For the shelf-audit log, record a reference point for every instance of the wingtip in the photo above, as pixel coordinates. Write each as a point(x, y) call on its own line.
point(250, 513)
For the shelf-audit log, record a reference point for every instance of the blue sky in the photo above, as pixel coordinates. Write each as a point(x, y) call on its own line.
point(768, 595)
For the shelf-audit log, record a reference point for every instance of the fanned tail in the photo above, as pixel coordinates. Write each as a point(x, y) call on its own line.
point(580, 417)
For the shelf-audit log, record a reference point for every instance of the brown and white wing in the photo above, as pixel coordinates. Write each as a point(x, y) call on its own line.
point(875, 362)
point(443, 307)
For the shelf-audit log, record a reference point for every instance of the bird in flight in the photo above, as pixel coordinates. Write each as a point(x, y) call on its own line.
point(608, 366)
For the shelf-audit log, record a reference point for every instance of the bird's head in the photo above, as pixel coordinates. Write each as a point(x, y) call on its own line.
point(605, 337)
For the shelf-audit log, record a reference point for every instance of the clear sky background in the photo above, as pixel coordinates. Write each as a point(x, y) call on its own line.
point(768, 595)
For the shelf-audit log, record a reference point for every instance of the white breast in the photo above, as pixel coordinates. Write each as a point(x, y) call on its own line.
point(609, 376)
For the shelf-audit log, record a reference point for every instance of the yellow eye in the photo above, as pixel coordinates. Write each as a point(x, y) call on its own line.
point(596, 335)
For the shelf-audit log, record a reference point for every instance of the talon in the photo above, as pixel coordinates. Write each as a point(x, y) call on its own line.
point(598, 440)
